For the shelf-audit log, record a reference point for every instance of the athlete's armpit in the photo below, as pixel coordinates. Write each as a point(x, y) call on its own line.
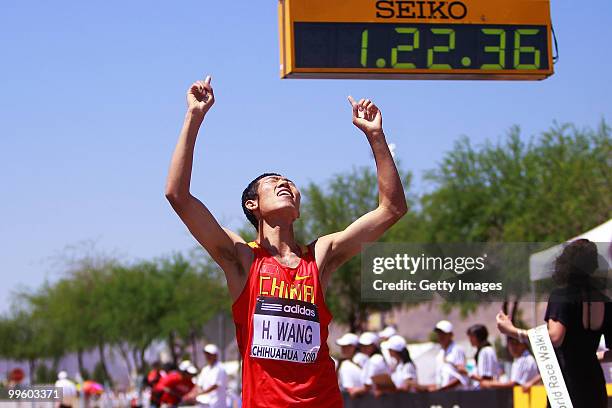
point(339, 247)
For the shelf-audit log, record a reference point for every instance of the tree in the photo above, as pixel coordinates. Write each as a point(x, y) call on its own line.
point(22, 328)
point(193, 294)
point(546, 189)
point(50, 334)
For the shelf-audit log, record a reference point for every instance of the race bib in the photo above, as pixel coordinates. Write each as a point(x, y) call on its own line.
point(285, 329)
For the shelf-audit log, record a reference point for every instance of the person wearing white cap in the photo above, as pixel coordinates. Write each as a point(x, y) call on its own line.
point(69, 393)
point(211, 384)
point(450, 362)
point(186, 366)
point(376, 365)
point(349, 372)
point(384, 335)
point(360, 358)
point(404, 376)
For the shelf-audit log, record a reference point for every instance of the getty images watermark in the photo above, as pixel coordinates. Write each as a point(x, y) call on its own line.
point(415, 272)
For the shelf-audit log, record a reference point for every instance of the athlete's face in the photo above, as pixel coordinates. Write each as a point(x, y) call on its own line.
point(277, 195)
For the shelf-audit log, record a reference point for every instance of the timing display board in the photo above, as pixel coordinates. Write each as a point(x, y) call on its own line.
point(400, 39)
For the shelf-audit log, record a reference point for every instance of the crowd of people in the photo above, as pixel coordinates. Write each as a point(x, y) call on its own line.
point(380, 363)
point(370, 363)
point(165, 385)
point(185, 385)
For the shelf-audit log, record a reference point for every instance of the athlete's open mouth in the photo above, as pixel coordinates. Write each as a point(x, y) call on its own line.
point(284, 192)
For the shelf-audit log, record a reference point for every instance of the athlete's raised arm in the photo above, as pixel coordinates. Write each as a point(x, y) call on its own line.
point(225, 247)
point(335, 249)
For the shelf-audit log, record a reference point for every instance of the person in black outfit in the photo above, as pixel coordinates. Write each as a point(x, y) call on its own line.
point(577, 314)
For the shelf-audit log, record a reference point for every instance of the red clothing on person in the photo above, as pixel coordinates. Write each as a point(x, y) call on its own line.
point(281, 328)
point(154, 376)
point(178, 385)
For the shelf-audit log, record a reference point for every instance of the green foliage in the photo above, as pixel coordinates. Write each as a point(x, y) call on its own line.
point(108, 303)
point(7, 337)
point(546, 189)
point(25, 344)
point(44, 374)
point(195, 295)
point(99, 374)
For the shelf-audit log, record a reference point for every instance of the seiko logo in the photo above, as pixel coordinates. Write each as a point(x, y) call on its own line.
point(299, 310)
point(423, 10)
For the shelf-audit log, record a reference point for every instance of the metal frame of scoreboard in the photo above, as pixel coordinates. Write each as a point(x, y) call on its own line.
point(419, 12)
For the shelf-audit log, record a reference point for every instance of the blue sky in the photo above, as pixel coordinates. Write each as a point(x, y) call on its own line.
point(93, 98)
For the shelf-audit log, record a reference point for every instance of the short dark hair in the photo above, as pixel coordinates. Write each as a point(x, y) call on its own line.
point(250, 193)
point(479, 331)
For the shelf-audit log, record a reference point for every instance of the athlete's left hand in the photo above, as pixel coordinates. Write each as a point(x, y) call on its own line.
point(366, 116)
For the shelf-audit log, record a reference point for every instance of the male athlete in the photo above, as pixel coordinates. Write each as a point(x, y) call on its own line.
point(277, 285)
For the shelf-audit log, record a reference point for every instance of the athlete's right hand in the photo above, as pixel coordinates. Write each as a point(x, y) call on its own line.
point(200, 97)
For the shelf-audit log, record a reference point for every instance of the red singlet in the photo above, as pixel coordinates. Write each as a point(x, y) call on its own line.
point(281, 328)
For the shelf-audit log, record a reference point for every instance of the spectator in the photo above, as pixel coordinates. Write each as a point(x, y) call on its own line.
point(360, 358)
point(524, 371)
point(404, 376)
point(450, 362)
point(387, 333)
point(154, 375)
point(383, 336)
point(577, 315)
point(375, 365)
point(487, 366)
point(211, 385)
point(171, 388)
point(349, 372)
point(69, 390)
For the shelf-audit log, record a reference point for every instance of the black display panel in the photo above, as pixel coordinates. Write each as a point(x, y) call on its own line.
point(421, 46)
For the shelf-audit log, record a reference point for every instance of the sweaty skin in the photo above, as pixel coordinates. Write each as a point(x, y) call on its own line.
point(278, 203)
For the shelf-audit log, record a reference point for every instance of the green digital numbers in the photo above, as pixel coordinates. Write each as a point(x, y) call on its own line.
point(405, 47)
point(441, 48)
point(364, 48)
point(500, 49)
point(519, 49)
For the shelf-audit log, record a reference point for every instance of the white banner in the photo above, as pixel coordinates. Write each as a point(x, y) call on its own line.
point(548, 365)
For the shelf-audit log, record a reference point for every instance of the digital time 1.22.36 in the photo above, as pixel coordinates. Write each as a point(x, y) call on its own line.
point(421, 46)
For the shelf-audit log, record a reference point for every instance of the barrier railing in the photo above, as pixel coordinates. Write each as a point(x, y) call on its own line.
point(502, 398)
